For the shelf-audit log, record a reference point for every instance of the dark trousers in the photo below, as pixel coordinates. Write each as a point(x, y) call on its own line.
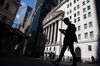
point(71, 47)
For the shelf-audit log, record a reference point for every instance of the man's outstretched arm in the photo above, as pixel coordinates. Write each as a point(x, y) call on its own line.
point(62, 31)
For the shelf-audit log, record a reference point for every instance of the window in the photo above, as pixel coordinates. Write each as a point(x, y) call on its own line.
point(70, 11)
point(54, 48)
point(2, 2)
point(78, 13)
point(84, 10)
point(78, 6)
point(84, 16)
point(75, 20)
point(79, 36)
point(70, 4)
point(85, 26)
point(79, 28)
point(89, 48)
point(88, 7)
point(74, 8)
point(86, 35)
point(89, 14)
point(70, 17)
point(91, 35)
point(88, 1)
point(67, 13)
point(74, 1)
point(90, 24)
point(83, 3)
point(78, 18)
point(74, 14)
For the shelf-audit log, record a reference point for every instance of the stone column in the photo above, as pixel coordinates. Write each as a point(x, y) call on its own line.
point(55, 31)
point(59, 33)
point(51, 34)
point(56, 37)
point(48, 33)
point(43, 31)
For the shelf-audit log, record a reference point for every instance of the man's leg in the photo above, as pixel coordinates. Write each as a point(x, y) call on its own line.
point(60, 56)
point(62, 53)
point(71, 46)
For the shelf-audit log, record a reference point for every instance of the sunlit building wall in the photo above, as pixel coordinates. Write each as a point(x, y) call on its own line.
point(83, 14)
point(22, 17)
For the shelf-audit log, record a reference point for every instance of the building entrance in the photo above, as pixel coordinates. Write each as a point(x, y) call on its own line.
point(78, 54)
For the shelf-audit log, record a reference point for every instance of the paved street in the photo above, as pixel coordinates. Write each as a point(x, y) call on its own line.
point(28, 61)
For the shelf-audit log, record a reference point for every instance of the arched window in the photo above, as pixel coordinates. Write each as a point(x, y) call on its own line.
point(54, 48)
point(50, 48)
point(78, 54)
point(3, 19)
point(7, 6)
point(2, 2)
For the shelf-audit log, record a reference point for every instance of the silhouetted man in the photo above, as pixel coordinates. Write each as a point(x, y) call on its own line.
point(69, 39)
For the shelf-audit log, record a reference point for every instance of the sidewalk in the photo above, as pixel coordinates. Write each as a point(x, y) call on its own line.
point(29, 61)
point(22, 61)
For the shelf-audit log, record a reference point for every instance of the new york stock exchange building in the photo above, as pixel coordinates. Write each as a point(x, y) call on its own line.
point(82, 13)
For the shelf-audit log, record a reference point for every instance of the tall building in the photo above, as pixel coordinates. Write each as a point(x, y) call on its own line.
point(25, 13)
point(8, 10)
point(84, 14)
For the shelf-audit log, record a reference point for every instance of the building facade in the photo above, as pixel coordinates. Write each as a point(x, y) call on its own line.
point(8, 10)
point(43, 7)
point(25, 14)
point(82, 13)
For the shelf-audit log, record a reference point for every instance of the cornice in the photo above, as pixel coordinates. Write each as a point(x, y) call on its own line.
point(58, 6)
point(51, 16)
point(53, 13)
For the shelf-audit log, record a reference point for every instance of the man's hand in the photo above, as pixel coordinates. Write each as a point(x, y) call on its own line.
point(62, 31)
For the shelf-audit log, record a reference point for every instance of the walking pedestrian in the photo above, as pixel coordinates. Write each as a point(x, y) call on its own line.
point(69, 39)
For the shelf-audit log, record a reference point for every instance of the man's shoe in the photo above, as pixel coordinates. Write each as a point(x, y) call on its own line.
point(55, 63)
